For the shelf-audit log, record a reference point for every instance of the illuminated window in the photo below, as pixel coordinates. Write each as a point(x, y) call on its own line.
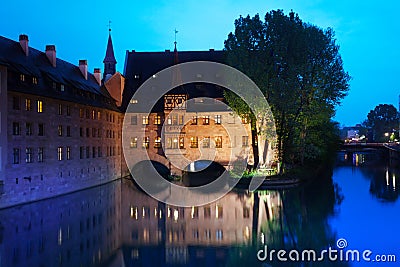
point(181, 119)
point(172, 143)
point(29, 130)
point(98, 115)
point(34, 80)
point(39, 106)
point(29, 155)
point(157, 119)
point(134, 142)
point(174, 119)
point(81, 113)
point(194, 142)
point(40, 154)
point(146, 142)
point(245, 141)
point(218, 234)
point(62, 88)
point(219, 212)
point(28, 104)
point(181, 142)
point(195, 213)
point(217, 119)
point(60, 130)
point(60, 153)
point(22, 77)
point(145, 120)
point(93, 114)
point(68, 152)
point(218, 141)
point(206, 120)
point(157, 142)
point(68, 110)
point(194, 120)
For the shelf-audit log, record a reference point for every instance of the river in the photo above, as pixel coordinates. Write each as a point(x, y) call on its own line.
point(344, 218)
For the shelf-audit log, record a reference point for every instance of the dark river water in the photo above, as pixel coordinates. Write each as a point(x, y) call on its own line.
point(347, 217)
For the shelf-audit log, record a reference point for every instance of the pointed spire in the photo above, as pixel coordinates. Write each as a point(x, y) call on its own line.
point(176, 59)
point(109, 60)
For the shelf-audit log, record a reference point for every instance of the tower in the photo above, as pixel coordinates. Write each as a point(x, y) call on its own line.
point(109, 60)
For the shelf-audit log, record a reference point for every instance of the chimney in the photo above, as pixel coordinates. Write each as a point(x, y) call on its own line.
point(83, 67)
point(51, 54)
point(97, 75)
point(23, 41)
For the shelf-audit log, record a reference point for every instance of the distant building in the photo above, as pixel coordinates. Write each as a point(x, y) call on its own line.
point(60, 127)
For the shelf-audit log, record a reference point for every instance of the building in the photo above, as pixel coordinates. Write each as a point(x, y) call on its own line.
point(60, 127)
point(189, 123)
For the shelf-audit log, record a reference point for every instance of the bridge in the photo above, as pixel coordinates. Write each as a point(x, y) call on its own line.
point(391, 150)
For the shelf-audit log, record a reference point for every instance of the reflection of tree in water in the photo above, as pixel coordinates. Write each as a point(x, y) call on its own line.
point(300, 221)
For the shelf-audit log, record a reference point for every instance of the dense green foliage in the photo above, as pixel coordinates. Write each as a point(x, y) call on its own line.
point(299, 69)
point(382, 119)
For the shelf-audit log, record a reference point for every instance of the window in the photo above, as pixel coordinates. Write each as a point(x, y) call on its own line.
point(181, 119)
point(16, 103)
point(16, 156)
point(69, 131)
point(217, 119)
point(87, 152)
point(68, 110)
point(206, 120)
point(16, 128)
point(60, 130)
point(181, 142)
point(99, 153)
point(34, 80)
point(195, 213)
point(146, 142)
point(28, 152)
point(62, 87)
point(60, 153)
point(98, 115)
point(218, 234)
point(81, 152)
point(87, 132)
point(207, 212)
point(68, 152)
point(134, 120)
point(28, 128)
point(93, 152)
point(87, 114)
point(218, 141)
point(93, 114)
point(40, 129)
point(40, 154)
point(194, 120)
point(54, 85)
point(245, 141)
point(28, 104)
point(145, 120)
point(157, 119)
point(174, 119)
point(60, 109)
point(219, 212)
point(193, 142)
point(94, 132)
point(39, 106)
point(81, 113)
point(206, 142)
point(22, 77)
point(157, 142)
point(81, 132)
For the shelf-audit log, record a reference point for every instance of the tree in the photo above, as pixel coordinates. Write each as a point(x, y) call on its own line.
point(382, 120)
point(299, 70)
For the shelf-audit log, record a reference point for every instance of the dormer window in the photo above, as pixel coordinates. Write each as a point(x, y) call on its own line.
point(54, 85)
point(22, 77)
point(62, 88)
point(136, 76)
point(34, 80)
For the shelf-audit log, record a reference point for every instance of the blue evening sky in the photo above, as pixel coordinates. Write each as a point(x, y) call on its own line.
point(367, 32)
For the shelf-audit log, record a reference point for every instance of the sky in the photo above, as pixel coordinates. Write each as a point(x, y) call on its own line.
point(366, 31)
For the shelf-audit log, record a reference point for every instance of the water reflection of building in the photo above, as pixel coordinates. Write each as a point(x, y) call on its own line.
point(80, 229)
point(180, 234)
